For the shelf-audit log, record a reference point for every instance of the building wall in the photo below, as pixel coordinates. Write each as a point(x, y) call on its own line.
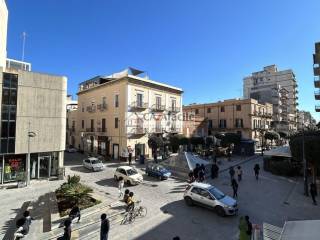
point(253, 115)
point(41, 107)
point(3, 33)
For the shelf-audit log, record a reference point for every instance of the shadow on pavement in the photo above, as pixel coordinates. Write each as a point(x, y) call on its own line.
point(108, 182)
point(80, 169)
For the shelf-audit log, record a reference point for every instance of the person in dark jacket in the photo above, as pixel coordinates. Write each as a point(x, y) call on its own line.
point(22, 228)
point(214, 171)
point(249, 226)
point(191, 177)
point(67, 230)
point(234, 185)
point(256, 170)
point(231, 172)
point(313, 192)
point(196, 171)
point(105, 226)
point(126, 195)
point(75, 213)
point(201, 175)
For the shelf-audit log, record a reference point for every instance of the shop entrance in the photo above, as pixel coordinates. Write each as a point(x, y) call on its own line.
point(44, 166)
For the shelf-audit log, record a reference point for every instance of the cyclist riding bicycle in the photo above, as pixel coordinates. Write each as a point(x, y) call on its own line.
point(130, 202)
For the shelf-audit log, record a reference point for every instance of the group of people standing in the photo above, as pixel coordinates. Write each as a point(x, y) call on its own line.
point(198, 173)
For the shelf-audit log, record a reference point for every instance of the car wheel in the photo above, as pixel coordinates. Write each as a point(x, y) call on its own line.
point(115, 178)
point(128, 182)
point(220, 211)
point(160, 178)
point(189, 201)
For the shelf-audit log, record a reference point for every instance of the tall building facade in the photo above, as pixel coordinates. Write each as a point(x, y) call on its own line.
point(305, 119)
point(316, 72)
point(278, 88)
point(247, 117)
point(122, 110)
point(32, 102)
point(3, 33)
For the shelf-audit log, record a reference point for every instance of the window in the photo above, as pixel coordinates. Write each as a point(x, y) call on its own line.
point(173, 104)
point(223, 123)
point(116, 122)
point(210, 124)
point(208, 110)
point(238, 107)
point(92, 125)
point(103, 125)
point(158, 102)
point(82, 124)
point(104, 101)
point(197, 111)
point(222, 109)
point(82, 107)
point(239, 122)
point(139, 99)
point(116, 100)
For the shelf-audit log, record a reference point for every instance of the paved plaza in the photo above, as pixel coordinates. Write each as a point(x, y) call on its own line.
point(271, 199)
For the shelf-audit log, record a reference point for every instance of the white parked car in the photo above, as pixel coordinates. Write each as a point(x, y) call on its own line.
point(209, 196)
point(71, 150)
point(93, 164)
point(129, 174)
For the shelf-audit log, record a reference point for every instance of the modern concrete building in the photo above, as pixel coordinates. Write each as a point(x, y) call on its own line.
point(244, 116)
point(316, 72)
point(32, 102)
point(278, 88)
point(3, 33)
point(122, 110)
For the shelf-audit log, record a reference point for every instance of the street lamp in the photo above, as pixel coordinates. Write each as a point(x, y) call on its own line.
point(30, 135)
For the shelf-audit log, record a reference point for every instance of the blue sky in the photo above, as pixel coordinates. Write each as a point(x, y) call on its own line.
point(205, 47)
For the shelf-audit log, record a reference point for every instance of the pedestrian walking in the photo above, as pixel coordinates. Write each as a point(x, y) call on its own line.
point(155, 156)
point(126, 196)
point(239, 173)
point(231, 172)
point(313, 192)
point(75, 213)
point(67, 230)
point(249, 226)
point(234, 185)
point(256, 170)
point(191, 177)
point(229, 153)
point(129, 154)
point(105, 227)
point(120, 186)
point(196, 172)
point(201, 175)
point(243, 151)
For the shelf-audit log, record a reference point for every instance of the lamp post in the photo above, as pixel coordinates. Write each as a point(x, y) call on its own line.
point(30, 135)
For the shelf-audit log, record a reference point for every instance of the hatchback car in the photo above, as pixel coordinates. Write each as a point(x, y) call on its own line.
point(209, 196)
point(157, 171)
point(93, 164)
point(71, 150)
point(129, 174)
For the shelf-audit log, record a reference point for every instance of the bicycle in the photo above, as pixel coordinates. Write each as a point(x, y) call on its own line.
point(138, 211)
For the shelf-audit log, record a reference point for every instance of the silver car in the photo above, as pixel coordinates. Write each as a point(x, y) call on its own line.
point(209, 196)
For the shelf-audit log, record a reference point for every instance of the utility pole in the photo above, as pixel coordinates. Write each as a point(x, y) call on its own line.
point(30, 135)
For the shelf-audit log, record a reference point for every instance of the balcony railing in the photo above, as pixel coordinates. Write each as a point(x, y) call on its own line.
point(317, 95)
point(317, 108)
point(102, 106)
point(174, 109)
point(138, 131)
point(139, 105)
point(157, 130)
point(89, 129)
point(101, 130)
point(91, 108)
point(316, 71)
point(158, 108)
point(317, 81)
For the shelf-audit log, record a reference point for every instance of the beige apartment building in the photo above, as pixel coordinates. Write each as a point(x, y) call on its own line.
point(122, 110)
point(244, 116)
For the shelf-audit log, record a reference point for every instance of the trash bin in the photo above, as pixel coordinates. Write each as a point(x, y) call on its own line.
point(141, 161)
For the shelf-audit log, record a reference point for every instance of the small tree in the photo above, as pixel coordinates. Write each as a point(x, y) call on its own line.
point(271, 136)
point(230, 138)
point(155, 142)
point(175, 141)
point(209, 142)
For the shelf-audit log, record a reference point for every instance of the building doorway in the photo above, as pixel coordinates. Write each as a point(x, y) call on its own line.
point(139, 150)
point(115, 151)
point(44, 166)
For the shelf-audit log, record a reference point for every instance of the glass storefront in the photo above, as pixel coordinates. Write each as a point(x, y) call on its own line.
point(42, 165)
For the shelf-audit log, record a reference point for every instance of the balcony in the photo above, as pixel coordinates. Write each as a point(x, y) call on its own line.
point(139, 105)
point(316, 58)
point(89, 129)
point(101, 130)
point(91, 109)
point(317, 95)
point(174, 109)
point(137, 131)
point(102, 107)
point(317, 108)
point(158, 108)
point(317, 81)
point(316, 71)
point(158, 130)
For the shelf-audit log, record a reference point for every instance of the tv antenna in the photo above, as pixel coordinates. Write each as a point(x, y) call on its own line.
point(24, 36)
